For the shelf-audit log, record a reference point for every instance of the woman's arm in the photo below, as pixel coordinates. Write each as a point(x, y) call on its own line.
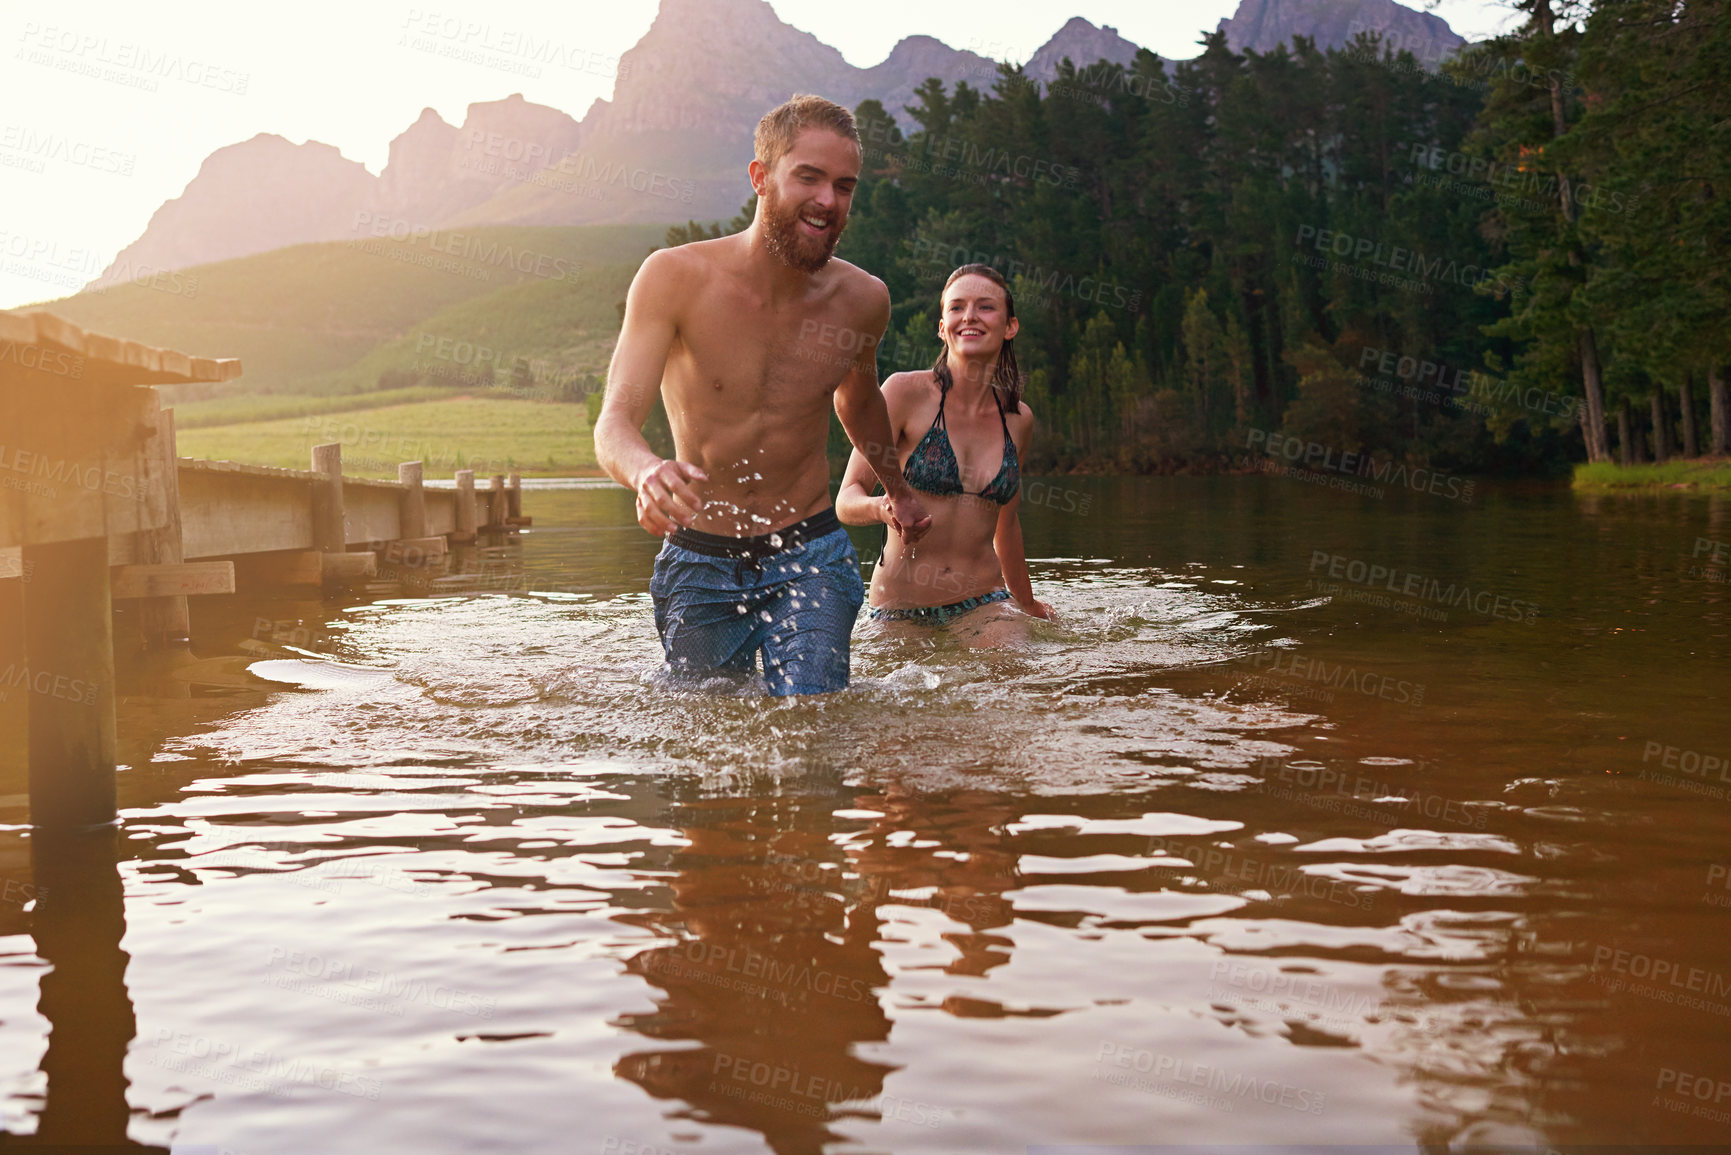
point(1007, 540)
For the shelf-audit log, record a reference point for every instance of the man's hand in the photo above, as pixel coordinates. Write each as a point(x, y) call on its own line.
point(906, 515)
point(665, 498)
point(1038, 609)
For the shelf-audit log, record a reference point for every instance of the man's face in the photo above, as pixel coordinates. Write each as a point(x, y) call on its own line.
point(806, 197)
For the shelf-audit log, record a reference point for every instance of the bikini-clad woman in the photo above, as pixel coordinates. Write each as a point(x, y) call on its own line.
point(961, 431)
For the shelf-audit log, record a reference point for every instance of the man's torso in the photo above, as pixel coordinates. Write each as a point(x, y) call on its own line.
point(750, 385)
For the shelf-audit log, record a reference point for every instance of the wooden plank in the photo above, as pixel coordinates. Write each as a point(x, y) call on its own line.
point(283, 568)
point(52, 330)
point(186, 579)
point(415, 551)
point(346, 566)
point(225, 514)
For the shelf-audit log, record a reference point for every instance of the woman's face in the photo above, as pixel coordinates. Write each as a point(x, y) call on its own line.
point(975, 321)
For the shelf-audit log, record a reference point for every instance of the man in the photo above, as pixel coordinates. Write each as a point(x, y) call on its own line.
point(748, 339)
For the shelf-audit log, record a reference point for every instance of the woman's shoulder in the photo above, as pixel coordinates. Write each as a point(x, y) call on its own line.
point(910, 387)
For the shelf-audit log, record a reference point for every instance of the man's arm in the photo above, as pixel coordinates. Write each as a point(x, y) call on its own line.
point(860, 405)
point(665, 497)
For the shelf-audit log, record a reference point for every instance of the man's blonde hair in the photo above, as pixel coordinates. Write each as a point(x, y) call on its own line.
point(782, 124)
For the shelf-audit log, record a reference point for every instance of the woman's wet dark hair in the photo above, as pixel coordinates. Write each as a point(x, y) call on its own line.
point(1007, 377)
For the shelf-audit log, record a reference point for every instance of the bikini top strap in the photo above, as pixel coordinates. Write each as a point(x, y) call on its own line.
point(1002, 420)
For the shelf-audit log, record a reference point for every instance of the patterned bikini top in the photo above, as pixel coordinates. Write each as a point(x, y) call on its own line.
point(933, 468)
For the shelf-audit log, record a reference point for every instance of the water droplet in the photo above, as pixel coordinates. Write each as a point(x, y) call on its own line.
point(764, 614)
point(741, 609)
point(775, 540)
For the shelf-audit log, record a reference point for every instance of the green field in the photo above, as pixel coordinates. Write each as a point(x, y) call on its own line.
point(1707, 473)
point(493, 434)
point(307, 318)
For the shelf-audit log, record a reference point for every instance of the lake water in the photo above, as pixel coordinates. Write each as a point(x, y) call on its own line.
point(1320, 818)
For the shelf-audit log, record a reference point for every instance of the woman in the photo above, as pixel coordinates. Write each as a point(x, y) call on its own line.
point(961, 431)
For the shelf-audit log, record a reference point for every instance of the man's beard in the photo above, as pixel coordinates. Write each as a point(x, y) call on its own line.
point(784, 240)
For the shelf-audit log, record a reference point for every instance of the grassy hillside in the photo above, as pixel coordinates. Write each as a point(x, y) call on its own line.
point(540, 334)
point(301, 313)
point(490, 434)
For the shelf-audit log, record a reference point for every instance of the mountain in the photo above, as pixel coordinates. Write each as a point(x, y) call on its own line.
point(671, 145)
point(1264, 25)
point(1084, 44)
point(436, 170)
point(248, 198)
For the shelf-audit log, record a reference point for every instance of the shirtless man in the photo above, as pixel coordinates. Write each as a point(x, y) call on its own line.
point(749, 339)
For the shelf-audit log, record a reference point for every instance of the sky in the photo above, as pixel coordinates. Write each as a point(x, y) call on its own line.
point(108, 107)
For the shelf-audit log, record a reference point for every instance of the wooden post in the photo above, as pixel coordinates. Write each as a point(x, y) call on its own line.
point(329, 532)
point(164, 620)
point(514, 497)
point(413, 517)
point(496, 505)
point(465, 506)
point(69, 644)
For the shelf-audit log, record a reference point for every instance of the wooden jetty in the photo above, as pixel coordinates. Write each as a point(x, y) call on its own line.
point(96, 507)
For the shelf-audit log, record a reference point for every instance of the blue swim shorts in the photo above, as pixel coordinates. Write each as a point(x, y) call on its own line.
point(792, 595)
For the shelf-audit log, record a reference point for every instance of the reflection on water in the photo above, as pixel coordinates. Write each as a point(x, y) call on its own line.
point(1361, 822)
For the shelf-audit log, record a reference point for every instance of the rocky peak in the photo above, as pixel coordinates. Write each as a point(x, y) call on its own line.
point(1084, 44)
point(1264, 25)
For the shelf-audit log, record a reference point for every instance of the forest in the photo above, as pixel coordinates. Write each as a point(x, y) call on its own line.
point(1502, 263)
